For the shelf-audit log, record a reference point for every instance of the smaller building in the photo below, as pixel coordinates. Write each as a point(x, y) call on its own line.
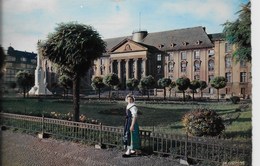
point(17, 61)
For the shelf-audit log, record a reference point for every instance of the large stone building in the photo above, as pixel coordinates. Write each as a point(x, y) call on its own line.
point(189, 52)
point(16, 61)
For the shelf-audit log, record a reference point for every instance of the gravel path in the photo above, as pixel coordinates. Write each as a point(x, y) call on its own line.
point(19, 149)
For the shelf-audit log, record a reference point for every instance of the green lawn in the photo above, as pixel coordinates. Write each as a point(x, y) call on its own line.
point(160, 117)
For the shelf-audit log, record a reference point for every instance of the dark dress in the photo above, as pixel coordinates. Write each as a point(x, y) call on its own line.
point(131, 139)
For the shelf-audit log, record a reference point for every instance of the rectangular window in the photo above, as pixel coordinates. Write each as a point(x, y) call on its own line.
point(159, 57)
point(197, 77)
point(228, 90)
point(211, 52)
point(242, 63)
point(242, 76)
point(183, 66)
point(170, 67)
point(101, 61)
point(159, 69)
point(243, 91)
point(183, 56)
point(33, 61)
point(228, 62)
point(23, 59)
point(228, 47)
point(197, 65)
point(171, 56)
point(228, 77)
point(196, 54)
point(211, 77)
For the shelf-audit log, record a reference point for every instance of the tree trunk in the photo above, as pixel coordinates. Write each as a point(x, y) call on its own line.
point(24, 91)
point(110, 93)
point(148, 93)
point(201, 94)
point(183, 92)
point(218, 94)
point(193, 95)
point(76, 84)
point(98, 93)
point(164, 93)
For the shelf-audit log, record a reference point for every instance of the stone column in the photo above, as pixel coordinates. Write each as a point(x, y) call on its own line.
point(144, 66)
point(111, 65)
point(127, 68)
point(136, 68)
point(98, 67)
point(119, 68)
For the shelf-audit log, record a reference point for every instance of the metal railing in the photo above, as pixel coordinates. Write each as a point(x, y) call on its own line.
point(216, 151)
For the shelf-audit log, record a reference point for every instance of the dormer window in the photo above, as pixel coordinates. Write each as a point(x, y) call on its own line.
point(185, 43)
point(173, 44)
point(198, 42)
point(23, 59)
point(161, 46)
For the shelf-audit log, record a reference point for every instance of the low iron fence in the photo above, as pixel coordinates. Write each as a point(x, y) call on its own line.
point(216, 151)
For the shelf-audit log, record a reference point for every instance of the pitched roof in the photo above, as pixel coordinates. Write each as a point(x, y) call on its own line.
point(112, 42)
point(216, 36)
point(29, 55)
point(180, 39)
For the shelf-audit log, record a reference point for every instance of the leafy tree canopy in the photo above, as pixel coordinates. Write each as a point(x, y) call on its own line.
point(183, 83)
point(97, 82)
point(203, 85)
point(194, 84)
point(239, 33)
point(147, 82)
point(218, 82)
point(164, 82)
point(111, 80)
point(73, 47)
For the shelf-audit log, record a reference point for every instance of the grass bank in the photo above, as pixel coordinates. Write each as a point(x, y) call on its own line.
point(159, 117)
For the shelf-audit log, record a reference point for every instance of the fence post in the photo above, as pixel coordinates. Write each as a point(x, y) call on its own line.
point(99, 146)
point(41, 135)
point(42, 123)
point(100, 135)
point(186, 148)
point(185, 159)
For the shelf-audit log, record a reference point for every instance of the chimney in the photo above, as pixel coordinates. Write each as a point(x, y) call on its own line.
point(138, 36)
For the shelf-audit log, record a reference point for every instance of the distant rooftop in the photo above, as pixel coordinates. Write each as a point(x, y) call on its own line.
point(186, 38)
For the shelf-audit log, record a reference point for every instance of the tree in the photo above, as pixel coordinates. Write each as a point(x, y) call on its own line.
point(97, 84)
point(132, 84)
point(25, 80)
point(164, 82)
point(65, 82)
point(183, 84)
point(171, 86)
point(2, 60)
point(218, 83)
point(73, 47)
point(239, 33)
point(147, 83)
point(203, 122)
point(203, 85)
point(111, 80)
point(194, 85)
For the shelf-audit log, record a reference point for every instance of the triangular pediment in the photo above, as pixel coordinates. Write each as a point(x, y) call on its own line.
point(128, 45)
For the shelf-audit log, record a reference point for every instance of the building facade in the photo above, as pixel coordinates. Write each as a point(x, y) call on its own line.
point(17, 61)
point(21, 60)
point(189, 52)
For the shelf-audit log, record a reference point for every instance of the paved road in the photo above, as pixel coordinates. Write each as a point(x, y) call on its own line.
point(20, 149)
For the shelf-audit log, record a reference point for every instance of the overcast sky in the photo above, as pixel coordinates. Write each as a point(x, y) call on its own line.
point(27, 21)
